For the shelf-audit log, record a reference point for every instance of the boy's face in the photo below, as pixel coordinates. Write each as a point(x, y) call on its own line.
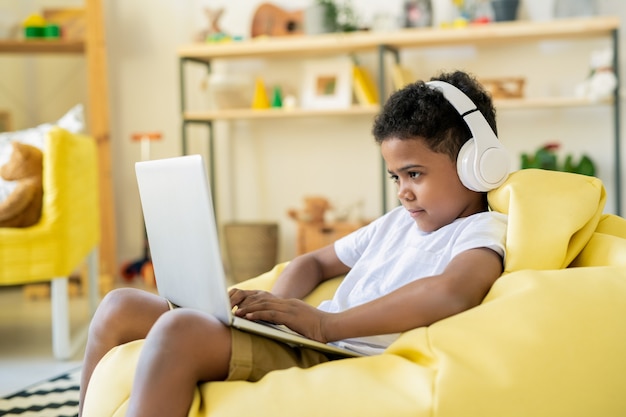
point(428, 184)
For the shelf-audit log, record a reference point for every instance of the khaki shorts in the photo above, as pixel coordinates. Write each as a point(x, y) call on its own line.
point(253, 356)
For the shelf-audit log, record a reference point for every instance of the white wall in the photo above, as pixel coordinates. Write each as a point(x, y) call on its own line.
point(267, 167)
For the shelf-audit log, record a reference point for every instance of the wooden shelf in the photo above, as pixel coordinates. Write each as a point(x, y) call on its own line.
point(502, 32)
point(42, 47)
point(546, 102)
point(247, 114)
point(250, 114)
point(298, 46)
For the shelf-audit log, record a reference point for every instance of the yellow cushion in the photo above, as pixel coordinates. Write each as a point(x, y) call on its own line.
point(607, 245)
point(69, 224)
point(551, 216)
point(544, 342)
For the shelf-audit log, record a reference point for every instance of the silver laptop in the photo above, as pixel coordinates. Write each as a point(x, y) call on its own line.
point(180, 224)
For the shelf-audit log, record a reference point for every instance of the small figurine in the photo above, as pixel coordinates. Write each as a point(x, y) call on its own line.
point(602, 80)
point(214, 30)
point(260, 100)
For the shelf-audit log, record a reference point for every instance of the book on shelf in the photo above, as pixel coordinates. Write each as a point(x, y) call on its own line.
point(401, 76)
point(365, 89)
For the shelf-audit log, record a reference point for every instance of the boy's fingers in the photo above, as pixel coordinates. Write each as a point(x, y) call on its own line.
point(236, 296)
point(248, 297)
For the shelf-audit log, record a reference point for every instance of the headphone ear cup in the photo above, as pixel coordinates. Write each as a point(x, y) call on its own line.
point(465, 163)
point(489, 172)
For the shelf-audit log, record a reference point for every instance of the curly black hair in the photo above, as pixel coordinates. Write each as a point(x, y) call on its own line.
point(418, 111)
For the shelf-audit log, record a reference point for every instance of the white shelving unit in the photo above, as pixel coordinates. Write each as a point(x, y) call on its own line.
point(382, 44)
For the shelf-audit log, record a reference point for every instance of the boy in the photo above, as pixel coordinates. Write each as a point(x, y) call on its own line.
point(436, 255)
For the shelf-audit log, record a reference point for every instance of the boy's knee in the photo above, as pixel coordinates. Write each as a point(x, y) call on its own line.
point(176, 322)
point(114, 309)
point(197, 343)
point(117, 301)
point(185, 324)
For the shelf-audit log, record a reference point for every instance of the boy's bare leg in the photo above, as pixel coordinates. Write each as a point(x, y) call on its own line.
point(123, 315)
point(183, 348)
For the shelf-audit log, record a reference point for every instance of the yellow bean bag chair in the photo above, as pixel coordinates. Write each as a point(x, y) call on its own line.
point(548, 340)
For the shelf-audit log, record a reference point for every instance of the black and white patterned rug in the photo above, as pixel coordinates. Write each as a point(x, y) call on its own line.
point(57, 397)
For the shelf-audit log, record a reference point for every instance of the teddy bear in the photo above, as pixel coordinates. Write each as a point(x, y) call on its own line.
point(22, 207)
point(313, 211)
point(602, 81)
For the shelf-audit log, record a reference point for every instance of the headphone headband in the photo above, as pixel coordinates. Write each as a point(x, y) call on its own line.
point(461, 102)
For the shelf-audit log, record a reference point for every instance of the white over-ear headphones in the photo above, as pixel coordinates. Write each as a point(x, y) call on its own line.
point(482, 163)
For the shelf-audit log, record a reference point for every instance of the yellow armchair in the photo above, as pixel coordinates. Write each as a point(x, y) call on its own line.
point(548, 340)
point(66, 234)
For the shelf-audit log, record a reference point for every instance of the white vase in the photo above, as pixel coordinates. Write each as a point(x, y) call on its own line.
point(443, 11)
point(540, 10)
point(574, 8)
point(315, 20)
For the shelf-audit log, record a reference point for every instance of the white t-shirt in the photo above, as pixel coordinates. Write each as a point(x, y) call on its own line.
point(392, 252)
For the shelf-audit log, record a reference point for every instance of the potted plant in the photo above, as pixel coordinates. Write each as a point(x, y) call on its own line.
point(504, 10)
point(546, 158)
point(327, 16)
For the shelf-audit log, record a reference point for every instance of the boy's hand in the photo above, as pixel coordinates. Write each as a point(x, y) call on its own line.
point(293, 313)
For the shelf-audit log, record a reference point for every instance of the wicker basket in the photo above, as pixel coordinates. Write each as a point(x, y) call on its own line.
point(251, 249)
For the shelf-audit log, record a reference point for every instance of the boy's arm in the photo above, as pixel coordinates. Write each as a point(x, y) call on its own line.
point(462, 285)
point(297, 280)
point(307, 271)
